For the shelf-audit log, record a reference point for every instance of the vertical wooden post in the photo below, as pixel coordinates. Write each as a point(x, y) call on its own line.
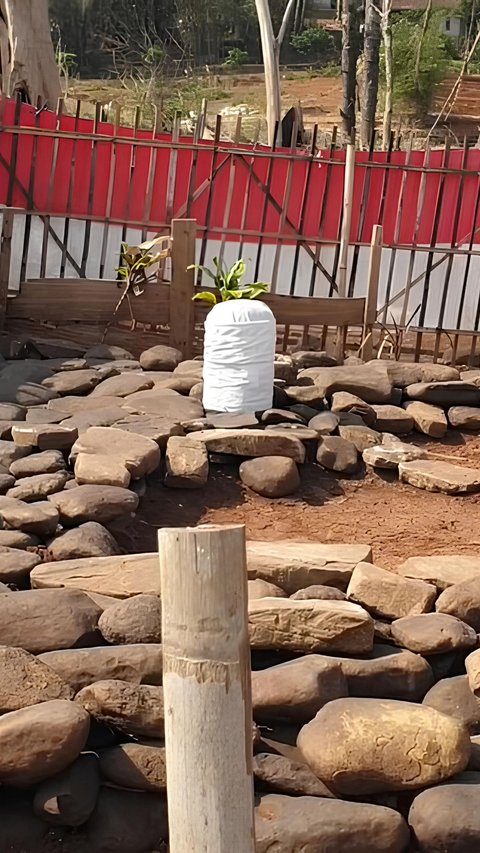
point(344, 242)
point(5, 254)
point(206, 684)
point(373, 280)
point(182, 289)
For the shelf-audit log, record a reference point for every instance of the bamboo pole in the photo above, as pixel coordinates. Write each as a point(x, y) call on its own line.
point(206, 683)
point(373, 279)
point(347, 218)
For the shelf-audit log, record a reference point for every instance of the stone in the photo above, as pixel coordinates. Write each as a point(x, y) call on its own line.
point(471, 376)
point(33, 394)
point(393, 419)
point(15, 566)
point(20, 828)
point(39, 518)
point(93, 503)
point(160, 358)
point(435, 476)
point(456, 393)
point(264, 589)
point(447, 817)
point(19, 382)
point(300, 431)
point(324, 423)
point(140, 766)
point(41, 740)
point(363, 746)
point(43, 415)
point(309, 626)
point(135, 620)
point(58, 364)
point(433, 633)
point(452, 696)
point(122, 385)
point(463, 601)
point(295, 691)
point(464, 417)
point(72, 382)
point(44, 436)
point(25, 681)
point(48, 462)
point(69, 798)
point(270, 476)
point(282, 775)
point(136, 709)
point(312, 824)
point(186, 463)
point(9, 452)
point(138, 663)
point(68, 406)
point(342, 401)
point(309, 395)
point(389, 458)
point(182, 383)
point(38, 487)
point(108, 352)
point(327, 593)
point(388, 595)
point(251, 442)
point(140, 455)
point(44, 620)
point(337, 454)
point(295, 565)
point(12, 412)
point(118, 576)
point(388, 673)
point(87, 540)
point(442, 570)
point(404, 373)
point(17, 539)
point(97, 417)
point(190, 367)
point(127, 822)
point(360, 436)
point(158, 429)
point(428, 419)
point(197, 391)
point(310, 358)
point(6, 482)
point(165, 403)
point(285, 368)
point(105, 369)
point(472, 665)
point(372, 386)
point(101, 470)
point(281, 416)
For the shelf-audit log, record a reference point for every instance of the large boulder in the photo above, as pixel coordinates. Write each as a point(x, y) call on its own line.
point(93, 503)
point(309, 626)
point(311, 824)
point(117, 576)
point(447, 817)
point(251, 442)
point(139, 455)
point(433, 633)
point(138, 664)
point(296, 690)
point(452, 696)
point(41, 740)
point(294, 565)
point(364, 746)
point(42, 620)
point(388, 595)
point(136, 709)
point(372, 386)
point(271, 476)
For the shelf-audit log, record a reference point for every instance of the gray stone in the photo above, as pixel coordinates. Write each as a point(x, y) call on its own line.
point(6, 483)
point(72, 382)
point(310, 358)
point(436, 476)
point(372, 386)
point(427, 419)
point(136, 620)
point(324, 423)
point(271, 476)
point(136, 663)
point(12, 412)
point(337, 454)
point(87, 540)
point(93, 503)
point(444, 393)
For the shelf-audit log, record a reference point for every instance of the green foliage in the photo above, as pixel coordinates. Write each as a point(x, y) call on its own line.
point(236, 58)
point(434, 59)
point(139, 263)
point(228, 283)
point(313, 42)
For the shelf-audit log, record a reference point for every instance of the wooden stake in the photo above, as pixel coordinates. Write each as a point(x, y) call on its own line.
point(366, 350)
point(5, 254)
point(206, 684)
point(345, 239)
point(182, 288)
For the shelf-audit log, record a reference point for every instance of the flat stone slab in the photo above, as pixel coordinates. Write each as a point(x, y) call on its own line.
point(251, 442)
point(436, 476)
point(443, 571)
point(291, 565)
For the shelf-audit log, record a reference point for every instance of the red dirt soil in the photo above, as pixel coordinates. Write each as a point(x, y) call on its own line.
point(398, 521)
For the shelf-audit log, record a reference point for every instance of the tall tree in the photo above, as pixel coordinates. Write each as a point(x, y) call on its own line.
point(371, 54)
point(271, 46)
point(350, 54)
point(388, 54)
point(27, 59)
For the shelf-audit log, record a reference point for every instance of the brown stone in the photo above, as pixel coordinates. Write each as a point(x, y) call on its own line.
point(140, 455)
point(360, 436)
point(38, 487)
point(472, 665)
point(43, 620)
point(69, 798)
point(388, 673)
point(389, 457)
point(447, 817)
point(463, 601)
point(443, 571)
point(295, 565)
point(166, 403)
point(433, 633)
point(17, 539)
point(186, 463)
point(324, 423)
point(72, 381)
point(464, 417)
point(122, 385)
point(364, 746)
point(271, 476)
point(87, 540)
point(86, 418)
point(25, 681)
point(20, 829)
point(69, 406)
point(281, 775)
point(136, 620)
point(251, 442)
point(44, 436)
point(140, 766)
point(404, 373)
point(101, 470)
point(160, 358)
point(327, 593)
point(452, 696)
point(15, 565)
point(138, 664)
point(436, 476)
point(264, 589)
point(296, 690)
point(456, 393)
point(93, 503)
point(118, 576)
point(9, 452)
point(156, 428)
point(136, 709)
point(48, 462)
point(309, 626)
point(39, 518)
point(39, 741)
point(428, 419)
point(342, 401)
point(372, 386)
point(44, 415)
point(337, 454)
point(127, 822)
point(388, 595)
point(312, 824)
point(393, 419)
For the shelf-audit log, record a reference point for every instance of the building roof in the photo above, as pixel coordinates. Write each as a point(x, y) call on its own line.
point(421, 5)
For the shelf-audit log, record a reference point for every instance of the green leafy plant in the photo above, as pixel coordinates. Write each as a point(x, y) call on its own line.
point(138, 261)
point(235, 58)
point(313, 42)
point(228, 283)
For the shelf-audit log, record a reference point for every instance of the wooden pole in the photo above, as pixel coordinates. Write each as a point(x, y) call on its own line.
point(182, 289)
point(5, 255)
point(371, 307)
point(206, 684)
point(347, 218)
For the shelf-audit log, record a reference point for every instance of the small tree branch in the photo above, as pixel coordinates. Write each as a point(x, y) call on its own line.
point(285, 20)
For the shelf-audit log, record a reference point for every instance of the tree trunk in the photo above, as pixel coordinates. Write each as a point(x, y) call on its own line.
point(27, 59)
point(426, 21)
point(350, 52)
point(271, 60)
point(371, 72)
point(387, 44)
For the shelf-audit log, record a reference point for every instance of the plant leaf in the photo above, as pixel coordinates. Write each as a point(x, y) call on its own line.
point(206, 296)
